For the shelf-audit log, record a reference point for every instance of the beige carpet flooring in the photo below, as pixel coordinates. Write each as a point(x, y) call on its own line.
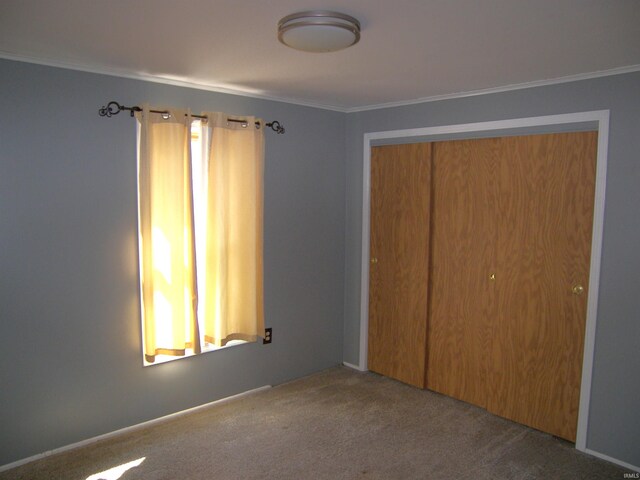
point(337, 424)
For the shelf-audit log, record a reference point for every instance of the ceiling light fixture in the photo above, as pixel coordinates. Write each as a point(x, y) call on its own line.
point(319, 31)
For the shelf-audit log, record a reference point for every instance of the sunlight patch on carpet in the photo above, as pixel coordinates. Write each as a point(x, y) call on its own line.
point(116, 472)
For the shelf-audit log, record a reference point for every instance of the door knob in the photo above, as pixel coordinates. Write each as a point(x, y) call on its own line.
point(577, 289)
point(492, 277)
point(374, 260)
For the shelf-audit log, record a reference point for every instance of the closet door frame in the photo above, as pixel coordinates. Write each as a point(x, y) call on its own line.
point(597, 120)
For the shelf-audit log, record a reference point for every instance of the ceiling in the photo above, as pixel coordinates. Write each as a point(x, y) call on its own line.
point(410, 50)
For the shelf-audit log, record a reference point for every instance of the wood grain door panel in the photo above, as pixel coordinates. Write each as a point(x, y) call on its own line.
point(463, 240)
point(547, 185)
point(398, 278)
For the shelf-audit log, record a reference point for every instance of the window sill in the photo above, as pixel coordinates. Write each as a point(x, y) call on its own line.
point(160, 359)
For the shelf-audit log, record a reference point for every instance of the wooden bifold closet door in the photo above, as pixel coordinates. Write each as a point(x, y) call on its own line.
point(509, 240)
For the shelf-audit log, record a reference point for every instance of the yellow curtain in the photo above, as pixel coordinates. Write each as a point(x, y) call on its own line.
point(167, 251)
point(233, 292)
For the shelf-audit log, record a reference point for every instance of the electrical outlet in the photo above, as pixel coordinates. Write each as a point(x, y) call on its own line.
point(267, 336)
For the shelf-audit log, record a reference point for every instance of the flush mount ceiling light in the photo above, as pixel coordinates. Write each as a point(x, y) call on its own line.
point(319, 31)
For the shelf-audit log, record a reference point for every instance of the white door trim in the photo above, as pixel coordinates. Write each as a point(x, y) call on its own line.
point(601, 119)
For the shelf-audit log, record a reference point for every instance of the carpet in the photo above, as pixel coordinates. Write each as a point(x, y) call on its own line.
point(336, 424)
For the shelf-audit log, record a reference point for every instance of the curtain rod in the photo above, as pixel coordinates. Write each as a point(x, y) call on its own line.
point(113, 108)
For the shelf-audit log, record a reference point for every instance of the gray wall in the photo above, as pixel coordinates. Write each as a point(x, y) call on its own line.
point(614, 427)
point(71, 365)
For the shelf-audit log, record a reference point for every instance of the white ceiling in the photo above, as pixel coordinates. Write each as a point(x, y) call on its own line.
point(410, 49)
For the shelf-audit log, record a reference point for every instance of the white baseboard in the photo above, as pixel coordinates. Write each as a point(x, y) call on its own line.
point(611, 459)
point(132, 428)
point(354, 367)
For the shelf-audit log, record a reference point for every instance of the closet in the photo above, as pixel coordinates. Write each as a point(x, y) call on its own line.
point(480, 293)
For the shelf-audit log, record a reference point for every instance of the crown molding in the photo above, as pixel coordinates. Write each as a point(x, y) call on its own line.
point(147, 77)
point(506, 88)
point(114, 72)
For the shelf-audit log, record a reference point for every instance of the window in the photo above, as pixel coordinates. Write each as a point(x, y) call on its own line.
point(200, 233)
